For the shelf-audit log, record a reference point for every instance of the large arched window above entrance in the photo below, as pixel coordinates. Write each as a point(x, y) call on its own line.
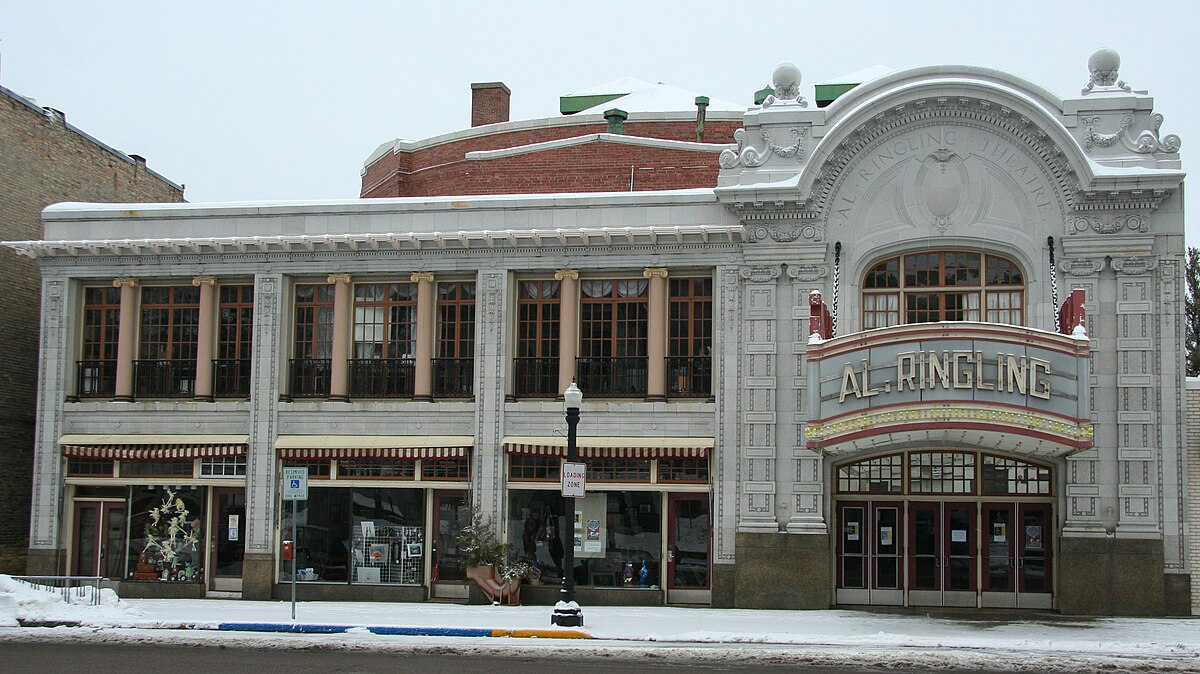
point(944, 472)
point(935, 286)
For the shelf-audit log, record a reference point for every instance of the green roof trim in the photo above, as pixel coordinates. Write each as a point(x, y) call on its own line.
point(761, 94)
point(828, 93)
point(569, 105)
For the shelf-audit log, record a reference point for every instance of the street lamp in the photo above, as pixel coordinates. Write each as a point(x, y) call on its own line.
point(566, 611)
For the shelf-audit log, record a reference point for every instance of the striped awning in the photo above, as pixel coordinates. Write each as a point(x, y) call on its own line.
point(152, 447)
point(391, 447)
point(613, 447)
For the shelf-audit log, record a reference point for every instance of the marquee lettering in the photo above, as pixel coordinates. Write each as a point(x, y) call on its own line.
point(963, 370)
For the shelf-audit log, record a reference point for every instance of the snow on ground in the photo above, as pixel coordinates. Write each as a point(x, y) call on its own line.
point(1043, 642)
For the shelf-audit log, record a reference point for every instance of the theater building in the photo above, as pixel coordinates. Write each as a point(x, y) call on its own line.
point(921, 346)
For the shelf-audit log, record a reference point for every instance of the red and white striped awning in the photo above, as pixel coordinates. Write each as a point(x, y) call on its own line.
point(613, 447)
point(152, 447)
point(388, 447)
point(393, 453)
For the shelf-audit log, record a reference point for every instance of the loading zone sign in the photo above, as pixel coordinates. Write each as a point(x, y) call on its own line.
point(574, 480)
point(295, 484)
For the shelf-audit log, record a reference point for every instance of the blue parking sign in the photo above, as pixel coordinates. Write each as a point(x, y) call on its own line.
point(295, 484)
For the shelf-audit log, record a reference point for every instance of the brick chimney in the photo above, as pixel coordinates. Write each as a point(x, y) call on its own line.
point(489, 103)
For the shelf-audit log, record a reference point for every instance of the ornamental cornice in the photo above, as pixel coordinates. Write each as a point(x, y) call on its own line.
point(373, 243)
point(1119, 200)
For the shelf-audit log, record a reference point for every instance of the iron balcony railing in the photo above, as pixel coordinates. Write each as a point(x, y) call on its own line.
point(453, 377)
point(382, 377)
point(621, 377)
point(310, 377)
point(535, 377)
point(164, 378)
point(97, 378)
point(231, 378)
point(689, 376)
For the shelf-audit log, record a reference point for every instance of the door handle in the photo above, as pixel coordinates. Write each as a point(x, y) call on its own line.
point(670, 556)
point(103, 550)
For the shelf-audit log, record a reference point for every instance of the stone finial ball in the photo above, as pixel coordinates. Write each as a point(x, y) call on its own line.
point(786, 75)
point(1104, 60)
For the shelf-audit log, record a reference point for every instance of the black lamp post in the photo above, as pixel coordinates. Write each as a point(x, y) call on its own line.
point(566, 611)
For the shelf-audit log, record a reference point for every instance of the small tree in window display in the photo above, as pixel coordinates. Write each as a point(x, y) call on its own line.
point(171, 537)
point(483, 553)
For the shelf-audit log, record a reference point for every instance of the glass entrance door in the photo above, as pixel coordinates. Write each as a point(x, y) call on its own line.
point(228, 538)
point(447, 568)
point(1018, 566)
point(942, 558)
point(99, 539)
point(689, 542)
point(870, 551)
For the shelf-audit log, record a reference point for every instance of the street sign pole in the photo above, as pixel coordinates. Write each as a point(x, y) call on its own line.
point(295, 488)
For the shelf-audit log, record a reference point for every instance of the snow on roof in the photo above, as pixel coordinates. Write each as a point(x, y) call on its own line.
point(860, 76)
point(624, 85)
point(664, 98)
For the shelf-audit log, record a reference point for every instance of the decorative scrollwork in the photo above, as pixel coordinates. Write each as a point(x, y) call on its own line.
point(1147, 141)
point(750, 156)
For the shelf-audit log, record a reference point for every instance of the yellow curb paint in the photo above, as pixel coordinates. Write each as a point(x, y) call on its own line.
point(542, 634)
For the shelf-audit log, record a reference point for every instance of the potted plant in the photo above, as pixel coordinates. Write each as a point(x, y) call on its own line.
point(482, 552)
point(512, 569)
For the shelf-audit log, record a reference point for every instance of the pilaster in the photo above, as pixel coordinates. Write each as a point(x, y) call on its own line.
point(491, 346)
point(757, 406)
point(46, 506)
point(261, 481)
point(807, 485)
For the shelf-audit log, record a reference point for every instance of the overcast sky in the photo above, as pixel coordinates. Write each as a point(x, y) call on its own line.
point(285, 100)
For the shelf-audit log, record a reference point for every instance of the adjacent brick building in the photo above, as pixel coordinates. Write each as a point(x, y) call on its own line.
point(658, 138)
point(43, 160)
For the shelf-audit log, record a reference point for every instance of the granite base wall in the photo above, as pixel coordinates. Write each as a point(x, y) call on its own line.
point(782, 571)
point(1111, 577)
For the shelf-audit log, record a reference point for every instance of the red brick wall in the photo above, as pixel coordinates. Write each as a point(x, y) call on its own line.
point(41, 162)
point(443, 169)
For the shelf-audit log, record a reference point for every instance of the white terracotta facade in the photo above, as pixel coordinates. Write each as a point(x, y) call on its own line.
point(969, 168)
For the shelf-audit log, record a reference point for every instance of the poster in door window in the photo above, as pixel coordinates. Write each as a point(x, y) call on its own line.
point(999, 532)
point(851, 531)
point(1033, 537)
point(885, 536)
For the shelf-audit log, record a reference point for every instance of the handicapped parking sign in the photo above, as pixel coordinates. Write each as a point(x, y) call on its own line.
point(295, 484)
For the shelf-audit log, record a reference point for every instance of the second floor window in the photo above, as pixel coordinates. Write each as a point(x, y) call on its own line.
point(101, 323)
point(943, 286)
point(314, 321)
point(170, 323)
point(235, 337)
point(613, 318)
point(385, 320)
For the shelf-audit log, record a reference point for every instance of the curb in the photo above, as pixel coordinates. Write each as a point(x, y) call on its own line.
point(294, 628)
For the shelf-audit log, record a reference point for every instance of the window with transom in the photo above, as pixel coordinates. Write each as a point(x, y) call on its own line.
point(456, 319)
point(170, 323)
point(236, 322)
point(314, 321)
point(385, 320)
point(101, 323)
point(943, 286)
point(613, 318)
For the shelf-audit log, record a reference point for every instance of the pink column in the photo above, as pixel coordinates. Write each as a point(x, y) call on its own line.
point(339, 375)
point(656, 346)
point(423, 368)
point(126, 338)
point(568, 326)
point(206, 336)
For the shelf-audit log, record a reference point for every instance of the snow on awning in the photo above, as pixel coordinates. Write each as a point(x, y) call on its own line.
point(153, 447)
point(324, 447)
point(613, 447)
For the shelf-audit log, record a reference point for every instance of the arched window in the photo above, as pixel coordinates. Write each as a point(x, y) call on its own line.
point(943, 286)
point(932, 471)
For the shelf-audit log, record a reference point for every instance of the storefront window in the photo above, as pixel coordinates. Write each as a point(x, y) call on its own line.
point(617, 534)
point(358, 535)
point(166, 534)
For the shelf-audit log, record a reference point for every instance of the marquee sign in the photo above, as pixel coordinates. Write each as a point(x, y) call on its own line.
point(1006, 386)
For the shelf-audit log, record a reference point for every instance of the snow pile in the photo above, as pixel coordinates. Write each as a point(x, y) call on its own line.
point(23, 603)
